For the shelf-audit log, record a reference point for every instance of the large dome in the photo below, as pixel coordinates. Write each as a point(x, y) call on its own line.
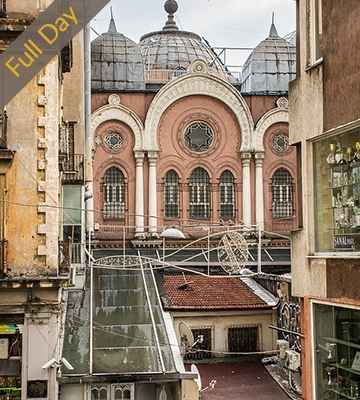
point(116, 62)
point(270, 67)
point(172, 50)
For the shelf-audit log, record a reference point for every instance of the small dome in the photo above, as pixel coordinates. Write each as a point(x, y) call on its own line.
point(271, 66)
point(172, 49)
point(116, 62)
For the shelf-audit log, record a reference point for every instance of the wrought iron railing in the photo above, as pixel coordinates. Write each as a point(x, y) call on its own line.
point(3, 129)
point(3, 258)
point(65, 256)
point(2, 8)
point(73, 169)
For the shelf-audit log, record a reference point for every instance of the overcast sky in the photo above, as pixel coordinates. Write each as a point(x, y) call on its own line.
point(223, 23)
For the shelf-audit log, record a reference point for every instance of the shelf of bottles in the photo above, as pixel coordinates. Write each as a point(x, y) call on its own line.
point(337, 352)
point(344, 185)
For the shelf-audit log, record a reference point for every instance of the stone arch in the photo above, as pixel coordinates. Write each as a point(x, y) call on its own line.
point(123, 114)
point(272, 117)
point(194, 84)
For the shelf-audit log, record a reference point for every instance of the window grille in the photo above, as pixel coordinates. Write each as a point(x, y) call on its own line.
point(201, 350)
point(198, 137)
point(114, 194)
point(243, 339)
point(282, 194)
point(227, 195)
point(116, 391)
point(171, 195)
point(199, 194)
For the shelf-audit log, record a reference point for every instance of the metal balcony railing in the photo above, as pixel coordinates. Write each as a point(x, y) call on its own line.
point(2, 8)
point(65, 248)
point(3, 258)
point(3, 129)
point(73, 169)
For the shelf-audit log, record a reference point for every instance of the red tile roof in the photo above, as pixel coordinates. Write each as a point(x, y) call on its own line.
point(209, 293)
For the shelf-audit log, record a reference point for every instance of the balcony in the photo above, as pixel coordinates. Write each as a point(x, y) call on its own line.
point(73, 169)
point(3, 128)
point(2, 8)
point(65, 248)
point(3, 258)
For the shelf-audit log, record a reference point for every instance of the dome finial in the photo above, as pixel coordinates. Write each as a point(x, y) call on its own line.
point(112, 26)
point(273, 31)
point(170, 7)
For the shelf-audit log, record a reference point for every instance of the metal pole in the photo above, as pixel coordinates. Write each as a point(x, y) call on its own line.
point(259, 250)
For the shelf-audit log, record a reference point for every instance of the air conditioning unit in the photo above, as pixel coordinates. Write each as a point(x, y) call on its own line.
point(283, 345)
point(292, 361)
point(4, 349)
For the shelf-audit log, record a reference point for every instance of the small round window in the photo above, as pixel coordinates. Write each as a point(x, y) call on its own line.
point(113, 141)
point(281, 143)
point(198, 137)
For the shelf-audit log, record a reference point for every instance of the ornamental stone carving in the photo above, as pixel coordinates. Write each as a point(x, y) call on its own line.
point(198, 84)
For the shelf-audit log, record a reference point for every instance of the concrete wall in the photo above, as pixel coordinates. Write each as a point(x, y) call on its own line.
point(220, 321)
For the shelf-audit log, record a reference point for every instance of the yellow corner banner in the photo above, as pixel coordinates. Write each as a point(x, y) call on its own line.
point(41, 41)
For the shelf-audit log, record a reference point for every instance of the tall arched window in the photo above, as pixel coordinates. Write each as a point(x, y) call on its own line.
point(171, 195)
point(199, 194)
point(114, 194)
point(282, 194)
point(227, 195)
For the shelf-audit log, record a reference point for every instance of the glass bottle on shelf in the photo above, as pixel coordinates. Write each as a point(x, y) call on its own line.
point(331, 157)
point(356, 156)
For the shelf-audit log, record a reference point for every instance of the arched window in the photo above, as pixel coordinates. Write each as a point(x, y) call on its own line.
point(282, 194)
point(199, 195)
point(114, 194)
point(171, 195)
point(227, 195)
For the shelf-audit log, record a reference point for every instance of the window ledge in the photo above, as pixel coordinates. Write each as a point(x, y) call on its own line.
point(315, 64)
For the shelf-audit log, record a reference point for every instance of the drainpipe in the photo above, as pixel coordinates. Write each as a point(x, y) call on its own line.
point(88, 197)
point(89, 200)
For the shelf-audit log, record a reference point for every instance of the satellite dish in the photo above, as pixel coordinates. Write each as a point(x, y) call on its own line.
point(198, 379)
point(186, 338)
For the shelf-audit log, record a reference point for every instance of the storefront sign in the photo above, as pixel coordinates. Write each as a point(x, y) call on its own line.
point(7, 329)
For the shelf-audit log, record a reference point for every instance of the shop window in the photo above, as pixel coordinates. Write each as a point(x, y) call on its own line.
point(114, 194)
point(243, 339)
point(282, 194)
point(10, 359)
point(171, 195)
point(337, 352)
point(227, 195)
point(199, 194)
point(337, 193)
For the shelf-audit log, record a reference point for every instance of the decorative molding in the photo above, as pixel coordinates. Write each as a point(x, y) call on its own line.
point(282, 102)
point(198, 84)
point(114, 99)
point(274, 116)
point(123, 114)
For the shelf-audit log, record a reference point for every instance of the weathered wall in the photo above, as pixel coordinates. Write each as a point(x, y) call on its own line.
point(341, 31)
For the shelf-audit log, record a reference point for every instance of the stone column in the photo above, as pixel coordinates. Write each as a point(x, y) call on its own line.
point(152, 158)
point(245, 159)
point(139, 194)
point(259, 190)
